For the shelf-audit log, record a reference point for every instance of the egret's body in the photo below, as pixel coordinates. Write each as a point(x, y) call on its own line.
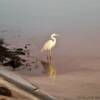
point(49, 45)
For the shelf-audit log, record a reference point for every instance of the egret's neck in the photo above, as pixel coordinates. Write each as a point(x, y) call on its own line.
point(53, 38)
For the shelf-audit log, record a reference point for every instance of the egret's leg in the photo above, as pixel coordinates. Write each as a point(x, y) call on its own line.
point(50, 57)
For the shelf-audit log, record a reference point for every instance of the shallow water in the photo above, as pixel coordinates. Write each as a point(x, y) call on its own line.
point(33, 21)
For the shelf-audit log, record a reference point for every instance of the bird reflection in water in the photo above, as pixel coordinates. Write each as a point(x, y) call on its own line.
point(49, 69)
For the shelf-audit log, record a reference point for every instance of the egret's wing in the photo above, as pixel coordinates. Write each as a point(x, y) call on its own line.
point(47, 45)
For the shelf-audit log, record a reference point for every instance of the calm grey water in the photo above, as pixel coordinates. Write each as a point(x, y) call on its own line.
point(77, 22)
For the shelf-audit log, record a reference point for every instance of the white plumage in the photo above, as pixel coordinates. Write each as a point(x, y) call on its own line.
point(50, 43)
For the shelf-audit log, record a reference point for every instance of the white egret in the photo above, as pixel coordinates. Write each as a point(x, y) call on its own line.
point(49, 45)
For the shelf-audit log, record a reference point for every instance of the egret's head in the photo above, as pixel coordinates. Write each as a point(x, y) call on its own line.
point(54, 34)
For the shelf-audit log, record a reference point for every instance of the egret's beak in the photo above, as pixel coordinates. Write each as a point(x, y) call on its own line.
point(57, 34)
